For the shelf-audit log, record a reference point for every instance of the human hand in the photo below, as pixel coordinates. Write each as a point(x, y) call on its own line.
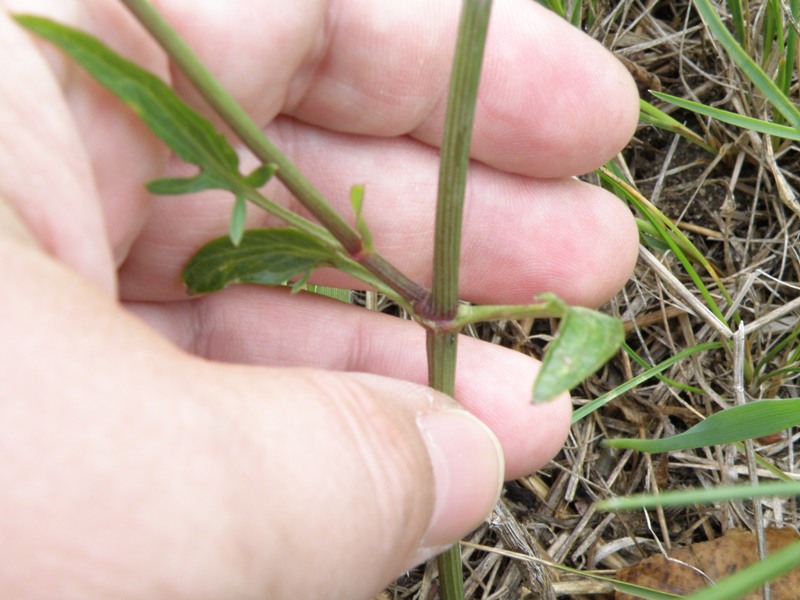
point(224, 446)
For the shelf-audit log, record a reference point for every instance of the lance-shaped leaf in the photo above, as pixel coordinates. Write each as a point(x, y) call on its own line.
point(586, 340)
point(187, 133)
point(735, 424)
point(263, 256)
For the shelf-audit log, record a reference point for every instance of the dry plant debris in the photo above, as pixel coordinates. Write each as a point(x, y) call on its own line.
point(737, 208)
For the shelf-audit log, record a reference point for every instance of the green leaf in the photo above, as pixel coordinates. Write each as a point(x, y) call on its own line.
point(173, 186)
point(340, 294)
point(782, 131)
point(238, 218)
point(734, 424)
point(264, 256)
point(586, 340)
point(187, 133)
point(261, 175)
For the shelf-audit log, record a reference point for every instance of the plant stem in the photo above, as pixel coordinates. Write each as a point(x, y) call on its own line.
point(290, 217)
point(252, 136)
point(443, 304)
point(454, 162)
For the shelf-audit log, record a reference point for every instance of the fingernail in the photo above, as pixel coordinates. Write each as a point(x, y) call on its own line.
point(468, 469)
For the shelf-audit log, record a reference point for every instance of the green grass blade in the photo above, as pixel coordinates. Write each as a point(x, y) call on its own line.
point(556, 6)
point(772, 31)
point(638, 591)
point(676, 384)
point(737, 15)
point(587, 409)
point(787, 66)
point(777, 348)
point(658, 118)
point(670, 234)
point(694, 496)
point(734, 424)
point(576, 13)
point(759, 78)
point(782, 131)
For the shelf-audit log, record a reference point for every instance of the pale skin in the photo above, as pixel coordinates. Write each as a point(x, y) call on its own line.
point(251, 444)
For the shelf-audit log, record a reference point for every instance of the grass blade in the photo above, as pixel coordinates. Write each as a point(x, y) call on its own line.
point(658, 118)
point(587, 409)
point(701, 496)
point(735, 424)
point(670, 235)
point(774, 129)
point(759, 78)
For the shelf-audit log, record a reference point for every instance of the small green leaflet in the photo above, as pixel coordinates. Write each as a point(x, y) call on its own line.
point(264, 256)
point(734, 424)
point(238, 218)
point(357, 202)
point(187, 133)
point(586, 340)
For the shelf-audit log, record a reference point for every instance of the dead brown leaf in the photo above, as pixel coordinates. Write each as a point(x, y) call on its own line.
point(691, 568)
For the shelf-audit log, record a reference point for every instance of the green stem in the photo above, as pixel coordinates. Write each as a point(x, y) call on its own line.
point(252, 136)
point(291, 218)
point(454, 163)
point(442, 377)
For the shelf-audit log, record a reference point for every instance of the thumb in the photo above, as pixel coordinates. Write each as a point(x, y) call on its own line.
point(356, 478)
point(133, 470)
